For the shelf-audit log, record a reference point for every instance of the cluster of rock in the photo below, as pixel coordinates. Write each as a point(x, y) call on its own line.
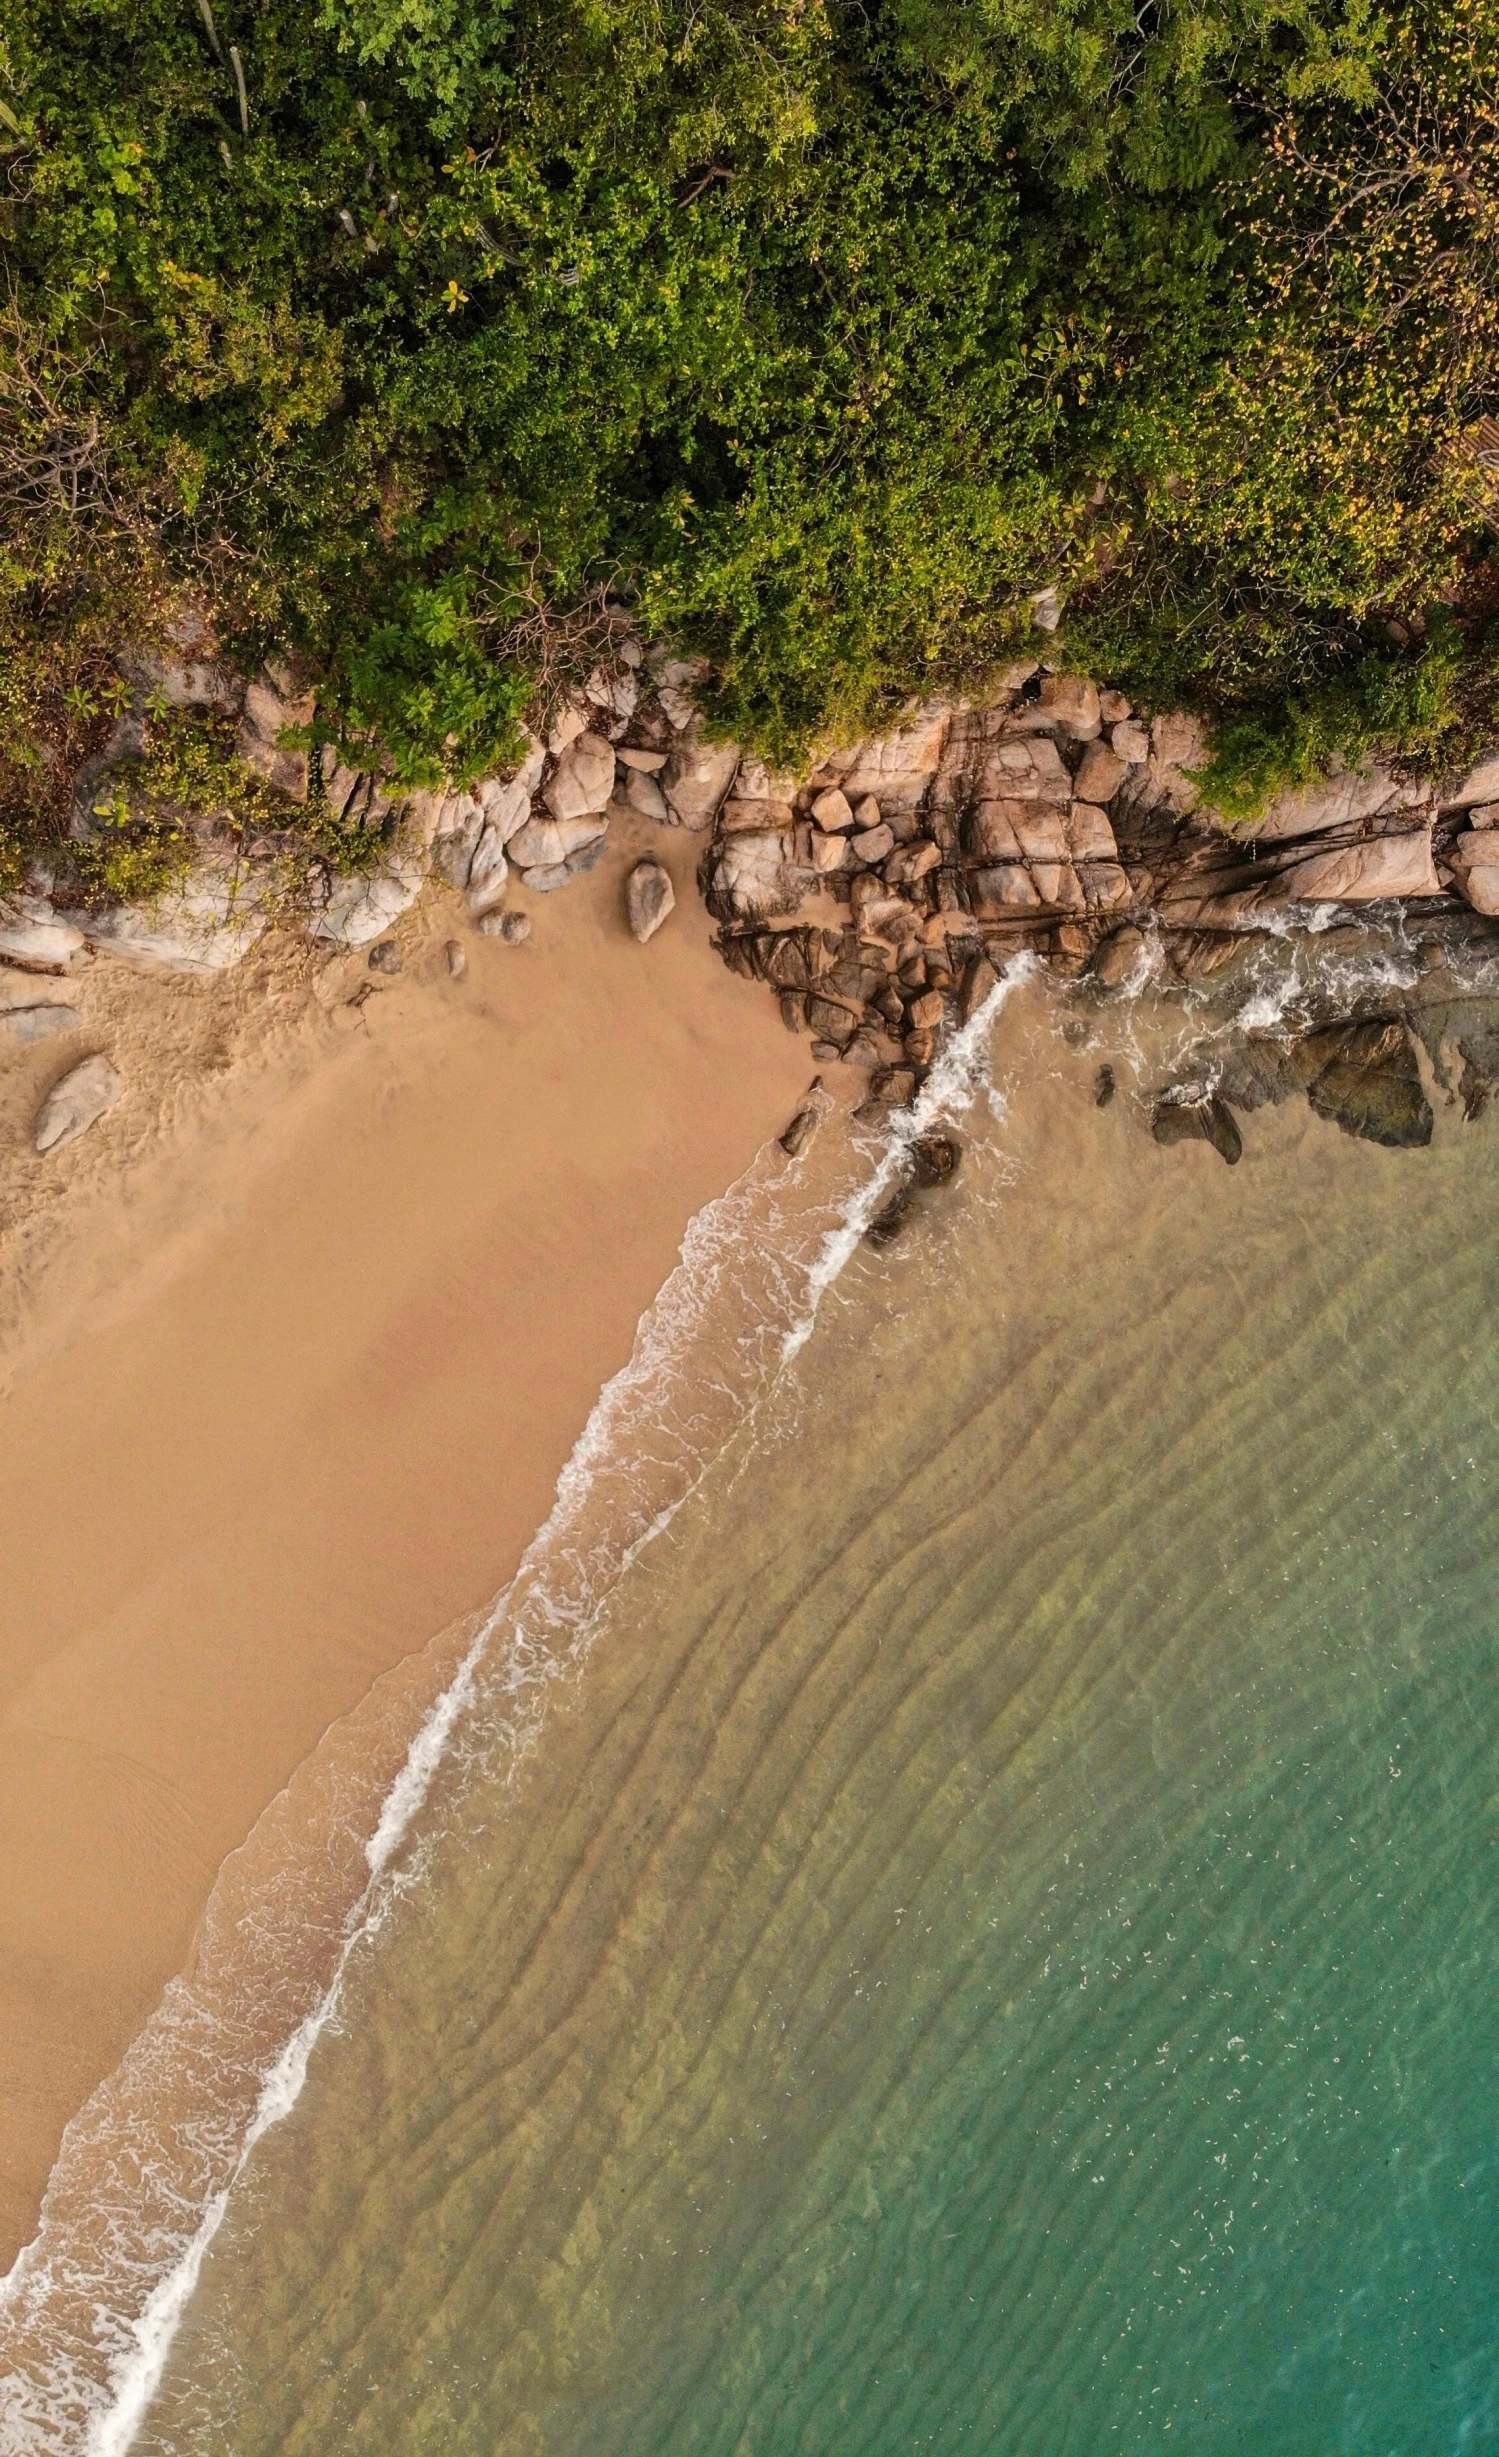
point(617, 746)
point(1359, 1067)
point(1056, 819)
point(878, 897)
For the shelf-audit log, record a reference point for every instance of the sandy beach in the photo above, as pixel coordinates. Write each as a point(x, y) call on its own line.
point(298, 1341)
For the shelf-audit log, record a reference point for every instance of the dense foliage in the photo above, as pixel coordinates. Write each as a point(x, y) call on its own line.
point(824, 333)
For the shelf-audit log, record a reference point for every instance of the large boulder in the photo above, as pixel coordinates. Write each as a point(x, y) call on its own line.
point(895, 767)
point(1480, 785)
point(1312, 810)
point(1191, 1116)
point(989, 831)
point(1020, 770)
point(358, 910)
point(1168, 780)
point(749, 878)
point(696, 778)
point(644, 794)
point(1475, 868)
point(77, 1102)
point(1394, 865)
point(548, 844)
point(583, 779)
point(1067, 705)
point(488, 872)
point(1100, 775)
point(1369, 1083)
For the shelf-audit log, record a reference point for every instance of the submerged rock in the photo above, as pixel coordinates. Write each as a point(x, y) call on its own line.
point(801, 1130)
point(1182, 1118)
point(892, 1215)
point(935, 1158)
point(1370, 1084)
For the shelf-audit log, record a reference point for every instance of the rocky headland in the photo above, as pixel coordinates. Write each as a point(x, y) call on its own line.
point(878, 897)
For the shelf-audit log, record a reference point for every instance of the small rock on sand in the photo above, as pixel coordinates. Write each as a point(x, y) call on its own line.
point(649, 897)
point(77, 1102)
point(386, 958)
point(457, 960)
point(513, 928)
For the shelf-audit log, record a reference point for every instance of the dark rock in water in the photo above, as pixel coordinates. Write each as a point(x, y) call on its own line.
point(1118, 958)
point(979, 979)
point(386, 958)
point(1104, 1087)
point(1474, 1089)
point(891, 1217)
point(1370, 1084)
point(1267, 1067)
point(895, 1084)
point(934, 1159)
point(800, 1132)
point(1204, 1120)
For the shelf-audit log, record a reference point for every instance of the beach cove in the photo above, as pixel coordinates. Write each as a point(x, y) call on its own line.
point(291, 1369)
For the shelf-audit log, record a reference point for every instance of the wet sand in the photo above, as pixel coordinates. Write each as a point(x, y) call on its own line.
point(302, 1347)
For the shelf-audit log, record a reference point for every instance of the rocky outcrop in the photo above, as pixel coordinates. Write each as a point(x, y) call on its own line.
point(202, 926)
point(1362, 1074)
point(1338, 801)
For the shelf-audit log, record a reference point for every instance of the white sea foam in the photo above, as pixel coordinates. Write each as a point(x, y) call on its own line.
point(90, 2308)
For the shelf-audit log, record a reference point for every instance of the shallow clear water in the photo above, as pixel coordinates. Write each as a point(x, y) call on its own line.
point(995, 1948)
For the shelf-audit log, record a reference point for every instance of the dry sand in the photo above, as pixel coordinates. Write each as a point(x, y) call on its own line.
point(298, 1341)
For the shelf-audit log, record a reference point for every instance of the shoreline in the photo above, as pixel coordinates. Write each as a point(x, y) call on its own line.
point(291, 1396)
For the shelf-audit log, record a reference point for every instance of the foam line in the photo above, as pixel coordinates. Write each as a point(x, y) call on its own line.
point(100, 2322)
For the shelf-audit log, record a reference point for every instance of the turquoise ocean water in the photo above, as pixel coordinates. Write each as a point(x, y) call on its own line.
point(997, 1947)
